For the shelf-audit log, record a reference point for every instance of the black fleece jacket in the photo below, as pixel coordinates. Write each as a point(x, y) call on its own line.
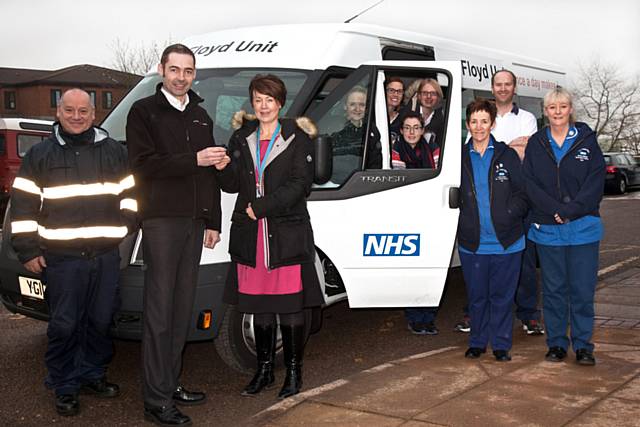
point(163, 143)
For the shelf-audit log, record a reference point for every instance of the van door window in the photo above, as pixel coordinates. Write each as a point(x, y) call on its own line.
point(343, 116)
point(3, 145)
point(420, 123)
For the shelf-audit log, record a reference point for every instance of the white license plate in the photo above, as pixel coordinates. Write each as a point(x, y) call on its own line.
point(33, 288)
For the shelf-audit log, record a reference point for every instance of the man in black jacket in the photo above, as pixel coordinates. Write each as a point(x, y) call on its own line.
point(171, 151)
point(70, 207)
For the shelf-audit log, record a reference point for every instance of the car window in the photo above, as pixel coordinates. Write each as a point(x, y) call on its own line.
point(25, 142)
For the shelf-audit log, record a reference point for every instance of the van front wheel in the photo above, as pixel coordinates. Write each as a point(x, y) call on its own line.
point(235, 343)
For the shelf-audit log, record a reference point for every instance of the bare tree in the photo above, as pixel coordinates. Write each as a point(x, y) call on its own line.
point(610, 103)
point(136, 59)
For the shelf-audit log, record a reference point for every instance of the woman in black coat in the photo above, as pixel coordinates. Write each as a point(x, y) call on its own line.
point(271, 242)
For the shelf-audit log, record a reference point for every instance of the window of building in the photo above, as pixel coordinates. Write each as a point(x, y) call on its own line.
point(56, 94)
point(107, 100)
point(92, 95)
point(10, 100)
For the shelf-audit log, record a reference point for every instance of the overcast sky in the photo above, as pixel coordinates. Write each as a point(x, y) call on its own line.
point(51, 34)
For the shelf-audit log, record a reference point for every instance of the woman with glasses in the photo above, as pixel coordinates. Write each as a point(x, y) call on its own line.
point(429, 98)
point(565, 173)
point(394, 90)
point(490, 232)
point(411, 151)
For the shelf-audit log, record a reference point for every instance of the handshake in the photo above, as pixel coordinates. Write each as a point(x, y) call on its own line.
point(213, 156)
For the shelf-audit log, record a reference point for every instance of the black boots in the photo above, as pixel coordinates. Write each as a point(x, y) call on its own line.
point(293, 341)
point(265, 350)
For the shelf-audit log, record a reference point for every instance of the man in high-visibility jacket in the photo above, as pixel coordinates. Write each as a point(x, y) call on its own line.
point(70, 208)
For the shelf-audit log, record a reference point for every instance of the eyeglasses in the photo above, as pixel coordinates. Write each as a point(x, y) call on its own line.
point(412, 129)
point(392, 91)
point(429, 94)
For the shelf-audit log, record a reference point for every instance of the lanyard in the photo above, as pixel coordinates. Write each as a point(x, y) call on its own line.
point(262, 164)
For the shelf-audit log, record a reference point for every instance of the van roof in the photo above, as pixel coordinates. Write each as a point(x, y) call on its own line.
point(26, 124)
point(319, 46)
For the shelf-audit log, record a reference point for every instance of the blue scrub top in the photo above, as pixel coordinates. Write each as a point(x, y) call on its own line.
point(489, 243)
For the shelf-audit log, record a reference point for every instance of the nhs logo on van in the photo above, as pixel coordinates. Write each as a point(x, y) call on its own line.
point(391, 245)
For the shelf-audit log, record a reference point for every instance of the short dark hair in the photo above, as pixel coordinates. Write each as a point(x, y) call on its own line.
point(410, 115)
point(482, 104)
point(176, 48)
point(504, 70)
point(393, 79)
point(268, 84)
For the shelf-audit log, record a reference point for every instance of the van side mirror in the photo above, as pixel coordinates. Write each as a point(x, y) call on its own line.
point(323, 147)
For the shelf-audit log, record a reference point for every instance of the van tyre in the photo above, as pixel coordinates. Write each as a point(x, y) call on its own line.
point(235, 343)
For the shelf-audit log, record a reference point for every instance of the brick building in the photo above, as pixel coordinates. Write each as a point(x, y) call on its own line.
point(34, 93)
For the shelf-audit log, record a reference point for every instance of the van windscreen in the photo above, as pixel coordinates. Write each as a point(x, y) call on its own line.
point(224, 91)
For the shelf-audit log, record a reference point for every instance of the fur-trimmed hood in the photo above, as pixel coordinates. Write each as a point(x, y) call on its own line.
point(242, 118)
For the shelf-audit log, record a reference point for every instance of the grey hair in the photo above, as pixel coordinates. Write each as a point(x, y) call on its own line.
point(559, 93)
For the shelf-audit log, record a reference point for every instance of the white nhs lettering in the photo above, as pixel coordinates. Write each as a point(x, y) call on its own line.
point(391, 245)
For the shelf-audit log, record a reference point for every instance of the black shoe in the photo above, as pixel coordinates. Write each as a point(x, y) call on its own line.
point(293, 341)
point(67, 405)
point(474, 352)
point(555, 354)
point(585, 357)
point(502, 355)
point(166, 416)
point(101, 388)
point(185, 397)
point(265, 336)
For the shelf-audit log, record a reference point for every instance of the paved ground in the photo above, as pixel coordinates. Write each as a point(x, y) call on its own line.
point(443, 388)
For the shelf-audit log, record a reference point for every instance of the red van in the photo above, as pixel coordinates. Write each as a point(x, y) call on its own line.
point(16, 137)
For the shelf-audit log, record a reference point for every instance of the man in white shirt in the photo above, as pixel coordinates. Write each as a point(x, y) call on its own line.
point(514, 126)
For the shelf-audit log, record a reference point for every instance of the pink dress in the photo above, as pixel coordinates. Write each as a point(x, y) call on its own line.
point(260, 280)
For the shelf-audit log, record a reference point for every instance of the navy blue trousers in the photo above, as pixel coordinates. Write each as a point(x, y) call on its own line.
point(527, 292)
point(82, 296)
point(491, 282)
point(420, 314)
point(569, 278)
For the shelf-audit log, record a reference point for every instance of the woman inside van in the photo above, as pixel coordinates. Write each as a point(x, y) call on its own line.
point(411, 151)
point(394, 90)
point(271, 240)
point(565, 172)
point(490, 232)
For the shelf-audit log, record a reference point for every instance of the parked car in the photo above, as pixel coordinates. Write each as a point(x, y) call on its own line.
point(16, 137)
point(623, 172)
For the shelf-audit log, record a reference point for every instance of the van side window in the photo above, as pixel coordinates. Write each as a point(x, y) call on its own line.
point(3, 145)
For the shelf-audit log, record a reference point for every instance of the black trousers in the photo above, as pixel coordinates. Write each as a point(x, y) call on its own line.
point(82, 295)
point(171, 250)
